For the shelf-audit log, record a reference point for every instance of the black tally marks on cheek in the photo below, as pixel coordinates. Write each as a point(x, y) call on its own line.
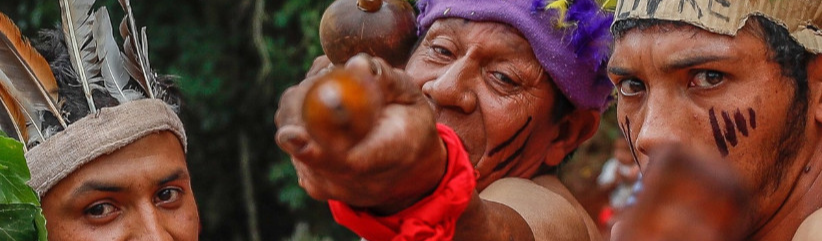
point(508, 142)
point(505, 143)
point(626, 131)
point(720, 141)
point(732, 125)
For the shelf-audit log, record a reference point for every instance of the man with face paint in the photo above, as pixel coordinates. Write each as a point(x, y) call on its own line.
point(736, 81)
point(520, 83)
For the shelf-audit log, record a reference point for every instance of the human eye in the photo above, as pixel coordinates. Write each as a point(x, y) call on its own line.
point(631, 87)
point(503, 78)
point(167, 196)
point(442, 51)
point(707, 79)
point(101, 212)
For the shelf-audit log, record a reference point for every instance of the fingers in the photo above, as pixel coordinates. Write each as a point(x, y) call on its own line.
point(395, 84)
point(289, 111)
point(321, 64)
point(310, 181)
point(298, 143)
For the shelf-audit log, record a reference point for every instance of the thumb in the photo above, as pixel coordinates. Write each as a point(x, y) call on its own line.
point(394, 83)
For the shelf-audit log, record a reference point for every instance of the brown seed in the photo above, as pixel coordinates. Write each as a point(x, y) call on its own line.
point(382, 28)
point(340, 109)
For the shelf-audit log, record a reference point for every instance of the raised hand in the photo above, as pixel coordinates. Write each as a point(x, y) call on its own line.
point(394, 164)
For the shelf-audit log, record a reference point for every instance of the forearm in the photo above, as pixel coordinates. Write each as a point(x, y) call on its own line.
point(488, 220)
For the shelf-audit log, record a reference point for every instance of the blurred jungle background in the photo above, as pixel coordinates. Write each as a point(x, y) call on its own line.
point(234, 58)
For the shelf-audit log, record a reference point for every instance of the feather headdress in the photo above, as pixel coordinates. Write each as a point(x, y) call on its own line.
point(84, 70)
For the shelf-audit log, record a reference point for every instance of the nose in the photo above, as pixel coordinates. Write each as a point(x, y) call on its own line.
point(453, 89)
point(149, 224)
point(663, 122)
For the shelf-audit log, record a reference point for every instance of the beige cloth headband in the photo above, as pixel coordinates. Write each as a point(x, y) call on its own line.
point(801, 17)
point(96, 135)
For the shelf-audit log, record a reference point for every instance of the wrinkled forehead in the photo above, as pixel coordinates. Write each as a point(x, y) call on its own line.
point(802, 18)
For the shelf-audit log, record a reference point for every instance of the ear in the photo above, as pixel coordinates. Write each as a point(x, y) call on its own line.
point(815, 87)
point(574, 129)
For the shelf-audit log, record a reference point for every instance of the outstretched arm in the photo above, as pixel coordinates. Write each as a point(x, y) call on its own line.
point(403, 160)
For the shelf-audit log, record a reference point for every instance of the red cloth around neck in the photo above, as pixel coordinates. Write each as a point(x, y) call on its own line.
point(432, 218)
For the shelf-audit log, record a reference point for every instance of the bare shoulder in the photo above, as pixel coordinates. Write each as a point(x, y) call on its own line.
point(549, 214)
point(811, 228)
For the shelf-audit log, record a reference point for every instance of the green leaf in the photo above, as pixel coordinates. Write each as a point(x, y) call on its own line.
point(17, 222)
point(13, 174)
point(21, 217)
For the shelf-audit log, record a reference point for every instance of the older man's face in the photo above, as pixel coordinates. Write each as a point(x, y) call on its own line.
point(483, 80)
point(717, 95)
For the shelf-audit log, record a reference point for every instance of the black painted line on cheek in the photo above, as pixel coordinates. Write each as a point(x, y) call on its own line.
point(631, 142)
point(741, 123)
point(510, 140)
point(720, 141)
point(513, 156)
point(730, 131)
point(752, 114)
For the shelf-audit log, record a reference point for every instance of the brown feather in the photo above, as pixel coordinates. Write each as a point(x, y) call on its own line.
point(27, 69)
point(17, 121)
point(135, 49)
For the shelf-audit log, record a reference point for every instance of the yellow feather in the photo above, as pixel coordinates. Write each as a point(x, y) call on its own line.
point(609, 5)
point(562, 8)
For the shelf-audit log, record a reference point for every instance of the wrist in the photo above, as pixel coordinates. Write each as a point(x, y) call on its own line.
point(434, 216)
point(422, 180)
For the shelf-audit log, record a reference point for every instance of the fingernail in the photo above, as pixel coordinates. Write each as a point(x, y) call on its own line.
point(375, 68)
point(292, 143)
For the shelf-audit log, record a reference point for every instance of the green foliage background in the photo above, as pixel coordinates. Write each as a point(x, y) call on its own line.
point(231, 83)
point(21, 217)
point(209, 43)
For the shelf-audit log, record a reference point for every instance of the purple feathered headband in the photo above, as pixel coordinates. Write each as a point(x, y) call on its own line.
point(570, 38)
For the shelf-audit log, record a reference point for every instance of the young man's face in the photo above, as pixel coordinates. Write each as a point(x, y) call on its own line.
point(720, 96)
point(141, 191)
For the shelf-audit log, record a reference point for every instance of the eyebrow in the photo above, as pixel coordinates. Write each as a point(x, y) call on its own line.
point(688, 62)
point(96, 186)
point(92, 185)
point(177, 175)
point(620, 71)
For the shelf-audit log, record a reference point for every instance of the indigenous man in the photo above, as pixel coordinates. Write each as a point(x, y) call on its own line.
point(739, 81)
point(108, 159)
point(520, 83)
